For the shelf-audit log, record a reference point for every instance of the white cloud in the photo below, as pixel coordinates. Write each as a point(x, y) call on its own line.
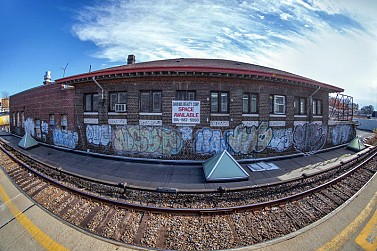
point(285, 16)
point(328, 40)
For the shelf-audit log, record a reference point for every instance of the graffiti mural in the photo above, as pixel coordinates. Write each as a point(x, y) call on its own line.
point(44, 127)
point(146, 140)
point(186, 133)
point(246, 140)
point(65, 138)
point(29, 126)
point(98, 134)
point(309, 137)
point(282, 139)
point(208, 141)
point(342, 134)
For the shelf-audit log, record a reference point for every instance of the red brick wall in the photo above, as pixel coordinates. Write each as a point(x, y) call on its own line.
point(136, 141)
point(39, 103)
point(203, 86)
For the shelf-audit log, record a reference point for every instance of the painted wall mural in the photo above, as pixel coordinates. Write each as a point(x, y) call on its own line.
point(309, 137)
point(186, 133)
point(98, 134)
point(44, 127)
point(342, 134)
point(208, 141)
point(246, 140)
point(282, 139)
point(147, 140)
point(65, 138)
point(29, 126)
point(241, 140)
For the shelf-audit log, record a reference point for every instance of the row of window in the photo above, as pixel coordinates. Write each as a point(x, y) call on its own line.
point(150, 102)
point(19, 120)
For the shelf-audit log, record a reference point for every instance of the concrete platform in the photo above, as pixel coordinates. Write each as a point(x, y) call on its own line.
point(176, 175)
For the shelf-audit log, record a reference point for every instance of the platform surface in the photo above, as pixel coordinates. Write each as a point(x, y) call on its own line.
point(176, 175)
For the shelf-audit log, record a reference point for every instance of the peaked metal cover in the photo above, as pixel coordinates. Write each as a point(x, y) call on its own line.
point(356, 144)
point(27, 142)
point(223, 167)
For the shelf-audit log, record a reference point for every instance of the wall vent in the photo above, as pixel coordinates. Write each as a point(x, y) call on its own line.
point(120, 107)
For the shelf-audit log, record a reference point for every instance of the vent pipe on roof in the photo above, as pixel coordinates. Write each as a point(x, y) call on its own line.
point(131, 59)
point(47, 78)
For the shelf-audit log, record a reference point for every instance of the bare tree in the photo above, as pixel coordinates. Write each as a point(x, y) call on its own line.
point(367, 109)
point(5, 94)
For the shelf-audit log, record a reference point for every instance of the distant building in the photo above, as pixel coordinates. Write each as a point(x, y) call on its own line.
point(4, 114)
point(374, 114)
point(4, 105)
point(182, 109)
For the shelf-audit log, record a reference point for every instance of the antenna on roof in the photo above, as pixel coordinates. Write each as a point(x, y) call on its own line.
point(90, 68)
point(64, 69)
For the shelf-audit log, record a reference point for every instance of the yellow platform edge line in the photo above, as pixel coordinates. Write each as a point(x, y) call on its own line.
point(46, 241)
point(367, 239)
point(338, 241)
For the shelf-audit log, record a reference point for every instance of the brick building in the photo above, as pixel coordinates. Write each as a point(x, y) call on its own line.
point(183, 109)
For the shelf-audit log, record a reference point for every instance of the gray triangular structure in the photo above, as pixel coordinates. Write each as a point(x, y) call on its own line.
point(223, 167)
point(356, 144)
point(27, 142)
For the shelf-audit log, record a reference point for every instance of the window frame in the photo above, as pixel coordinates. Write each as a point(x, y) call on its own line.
point(18, 119)
point(186, 95)
point(37, 127)
point(93, 106)
point(248, 99)
point(52, 121)
point(301, 108)
point(151, 102)
point(22, 119)
point(64, 122)
point(118, 101)
point(220, 102)
point(274, 104)
point(317, 107)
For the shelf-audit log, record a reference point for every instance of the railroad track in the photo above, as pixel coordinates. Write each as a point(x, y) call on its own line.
point(218, 221)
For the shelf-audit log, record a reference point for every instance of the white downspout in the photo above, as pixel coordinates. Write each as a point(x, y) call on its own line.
point(102, 91)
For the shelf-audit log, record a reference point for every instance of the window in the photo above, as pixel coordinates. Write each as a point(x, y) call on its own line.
point(219, 102)
point(118, 101)
point(18, 119)
point(277, 104)
point(22, 119)
point(14, 119)
point(300, 106)
point(64, 121)
point(250, 103)
point(185, 95)
point(317, 107)
point(38, 128)
point(91, 102)
point(52, 121)
point(150, 101)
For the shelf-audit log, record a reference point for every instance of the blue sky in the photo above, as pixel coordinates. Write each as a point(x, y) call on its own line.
point(327, 40)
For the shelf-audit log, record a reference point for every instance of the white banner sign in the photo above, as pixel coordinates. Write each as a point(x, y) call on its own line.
point(219, 123)
point(185, 112)
point(117, 121)
point(145, 122)
point(92, 121)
